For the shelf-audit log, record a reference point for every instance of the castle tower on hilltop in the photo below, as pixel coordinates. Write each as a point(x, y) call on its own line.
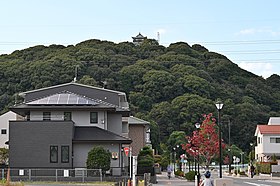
point(138, 39)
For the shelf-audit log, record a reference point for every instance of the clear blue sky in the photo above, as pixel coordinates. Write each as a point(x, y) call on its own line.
point(246, 31)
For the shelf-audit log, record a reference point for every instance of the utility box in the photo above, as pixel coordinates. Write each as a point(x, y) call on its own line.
point(223, 182)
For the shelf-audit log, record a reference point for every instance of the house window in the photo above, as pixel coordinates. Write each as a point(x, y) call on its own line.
point(259, 140)
point(46, 116)
point(54, 154)
point(65, 154)
point(67, 116)
point(93, 117)
point(3, 131)
point(274, 140)
point(124, 127)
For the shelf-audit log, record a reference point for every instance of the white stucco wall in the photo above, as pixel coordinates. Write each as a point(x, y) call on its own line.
point(274, 121)
point(4, 124)
point(271, 148)
point(259, 147)
point(265, 148)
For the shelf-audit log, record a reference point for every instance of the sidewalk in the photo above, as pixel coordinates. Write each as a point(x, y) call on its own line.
point(267, 177)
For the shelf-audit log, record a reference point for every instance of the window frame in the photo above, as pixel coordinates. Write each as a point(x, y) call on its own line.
point(95, 121)
point(65, 118)
point(62, 153)
point(47, 117)
point(2, 131)
point(56, 155)
point(274, 140)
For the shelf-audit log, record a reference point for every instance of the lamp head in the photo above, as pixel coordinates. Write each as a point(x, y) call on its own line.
point(197, 125)
point(219, 105)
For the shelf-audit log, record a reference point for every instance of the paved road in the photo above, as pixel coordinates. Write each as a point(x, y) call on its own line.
point(57, 184)
point(256, 181)
point(163, 180)
point(237, 181)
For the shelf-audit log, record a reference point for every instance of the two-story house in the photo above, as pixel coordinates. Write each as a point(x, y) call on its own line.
point(62, 123)
point(268, 140)
point(4, 127)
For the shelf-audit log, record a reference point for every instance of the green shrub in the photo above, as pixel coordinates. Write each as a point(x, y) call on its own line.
point(190, 175)
point(179, 173)
point(145, 162)
point(3, 181)
point(264, 167)
point(145, 157)
point(242, 173)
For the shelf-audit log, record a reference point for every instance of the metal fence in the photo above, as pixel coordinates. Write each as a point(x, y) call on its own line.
point(76, 175)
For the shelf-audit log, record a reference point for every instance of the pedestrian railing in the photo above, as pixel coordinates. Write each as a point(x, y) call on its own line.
point(78, 174)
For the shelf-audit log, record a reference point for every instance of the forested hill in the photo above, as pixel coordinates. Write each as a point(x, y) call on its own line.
point(169, 86)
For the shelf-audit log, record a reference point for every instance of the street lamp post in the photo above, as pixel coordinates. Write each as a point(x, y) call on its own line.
point(197, 125)
point(234, 161)
point(229, 163)
point(219, 106)
point(175, 157)
point(174, 160)
point(194, 162)
point(251, 155)
point(242, 160)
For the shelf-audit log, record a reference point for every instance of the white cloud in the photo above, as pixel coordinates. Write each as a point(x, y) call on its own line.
point(247, 32)
point(262, 69)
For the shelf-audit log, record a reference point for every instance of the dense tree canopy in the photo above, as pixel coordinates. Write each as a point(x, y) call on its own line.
point(169, 86)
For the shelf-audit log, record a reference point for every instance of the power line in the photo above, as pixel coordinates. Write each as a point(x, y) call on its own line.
point(252, 52)
point(240, 42)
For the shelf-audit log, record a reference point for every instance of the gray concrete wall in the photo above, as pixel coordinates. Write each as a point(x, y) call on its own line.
point(80, 118)
point(30, 143)
point(115, 123)
point(81, 153)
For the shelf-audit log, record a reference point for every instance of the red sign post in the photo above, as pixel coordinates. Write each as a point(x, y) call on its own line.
point(126, 150)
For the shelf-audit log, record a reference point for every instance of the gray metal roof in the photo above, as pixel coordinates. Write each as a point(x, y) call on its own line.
point(71, 83)
point(96, 134)
point(64, 98)
point(115, 98)
point(134, 120)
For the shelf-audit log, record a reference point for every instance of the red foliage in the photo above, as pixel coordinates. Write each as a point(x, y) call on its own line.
point(204, 142)
point(226, 160)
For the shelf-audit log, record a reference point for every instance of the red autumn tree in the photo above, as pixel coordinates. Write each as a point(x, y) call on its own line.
point(226, 160)
point(205, 141)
